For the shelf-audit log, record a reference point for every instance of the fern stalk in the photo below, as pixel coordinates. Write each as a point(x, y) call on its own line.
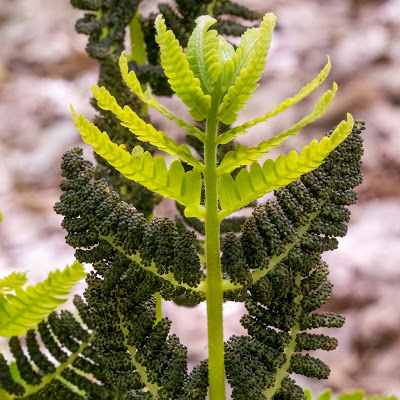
point(214, 291)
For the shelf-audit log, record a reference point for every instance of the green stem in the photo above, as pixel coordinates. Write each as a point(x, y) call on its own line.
point(214, 291)
point(158, 307)
point(138, 49)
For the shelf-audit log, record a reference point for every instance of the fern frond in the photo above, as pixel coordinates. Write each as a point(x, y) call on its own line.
point(202, 53)
point(66, 375)
point(250, 63)
point(175, 183)
point(243, 156)
point(23, 310)
point(229, 135)
point(13, 281)
point(134, 84)
point(144, 132)
point(180, 77)
point(251, 185)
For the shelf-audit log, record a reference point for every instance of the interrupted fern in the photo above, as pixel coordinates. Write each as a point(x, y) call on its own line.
point(274, 265)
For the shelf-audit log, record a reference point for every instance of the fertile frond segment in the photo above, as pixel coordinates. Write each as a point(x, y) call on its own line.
point(65, 375)
point(244, 70)
point(278, 260)
point(180, 77)
point(290, 101)
point(243, 156)
point(141, 167)
point(12, 281)
point(144, 132)
point(23, 310)
point(132, 260)
point(101, 226)
point(250, 185)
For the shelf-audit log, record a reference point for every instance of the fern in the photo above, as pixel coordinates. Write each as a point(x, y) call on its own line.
point(175, 183)
point(76, 374)
point(273, 264)
point(249, 186)
point(23, 310)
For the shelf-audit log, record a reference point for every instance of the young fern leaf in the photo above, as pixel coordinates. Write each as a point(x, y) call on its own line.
point(243, 156)
point(250, 64)
point(133, 83)
point(13, 281)
point(202, 53)
point(180, 77)
point(23, 310)
point(251, 185)
point(141, 167)
point(144, 132)
point(229, 135)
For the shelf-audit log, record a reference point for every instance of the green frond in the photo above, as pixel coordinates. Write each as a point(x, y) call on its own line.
point(243, 156)
point(23, 310)
point(175, 183)
point(226, 137)
point(144, 132)
point(1, 216)
point(180, 77)
point(134, 84)
point(247, 66)
point(250, 185)
point(13, 281)
point(202, 53)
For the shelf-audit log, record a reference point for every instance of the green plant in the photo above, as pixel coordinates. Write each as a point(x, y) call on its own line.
point(274, 265)
point(271, 261)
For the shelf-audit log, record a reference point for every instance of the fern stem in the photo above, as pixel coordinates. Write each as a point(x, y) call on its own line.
point(214, 294)
point(290, 349)
point(31, 389)
point(158, 307)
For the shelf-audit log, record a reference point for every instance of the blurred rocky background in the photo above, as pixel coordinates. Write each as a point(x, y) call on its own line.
point(44, 68)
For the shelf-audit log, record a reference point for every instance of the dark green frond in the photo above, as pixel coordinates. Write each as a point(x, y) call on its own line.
point(280, 255)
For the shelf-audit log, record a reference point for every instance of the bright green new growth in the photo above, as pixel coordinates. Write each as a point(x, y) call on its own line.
point(326, 395)
point(214, 81)
point(24, 309)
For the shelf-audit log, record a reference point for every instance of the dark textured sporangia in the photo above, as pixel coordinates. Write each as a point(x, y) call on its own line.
point(271, 261)
point(273, 265)
point(60, 359)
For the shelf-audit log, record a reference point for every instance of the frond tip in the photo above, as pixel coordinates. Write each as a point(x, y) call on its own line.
point(23, 310)
point(180, 76)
